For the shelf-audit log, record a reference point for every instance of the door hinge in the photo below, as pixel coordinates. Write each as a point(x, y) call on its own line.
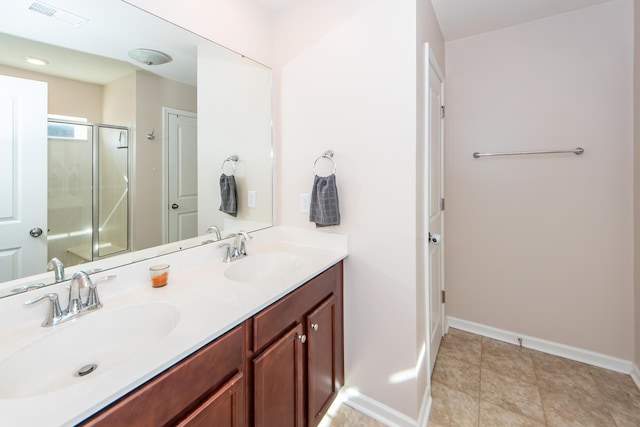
point(443, 296)
point(442, 111)
point(442, 204)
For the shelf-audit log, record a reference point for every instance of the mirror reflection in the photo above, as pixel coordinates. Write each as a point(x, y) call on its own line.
point(124, 154)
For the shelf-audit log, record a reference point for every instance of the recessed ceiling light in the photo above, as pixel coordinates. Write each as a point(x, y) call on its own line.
point(149, 56)
point(35, 61)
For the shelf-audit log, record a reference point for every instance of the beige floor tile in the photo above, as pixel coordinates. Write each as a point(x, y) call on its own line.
point(358, 419)
point(569, 402)
point(463, 334)
point(458, 374)
point(514, 395)
point(452, 407)
point(508, 359)
point(460, 347)
point(560, 369)
point(492, 415)
point(620, 394)
point(337, 419)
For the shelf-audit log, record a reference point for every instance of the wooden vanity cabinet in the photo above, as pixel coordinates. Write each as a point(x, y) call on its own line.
point(283, 367)
point(298, 358)
point(205, 389)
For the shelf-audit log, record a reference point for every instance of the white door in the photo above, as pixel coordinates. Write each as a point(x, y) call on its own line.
point(23, 177)
point(182, 176)
point(435, 205)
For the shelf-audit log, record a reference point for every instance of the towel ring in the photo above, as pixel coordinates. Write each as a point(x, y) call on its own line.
point(233, 160)
point(326, 155)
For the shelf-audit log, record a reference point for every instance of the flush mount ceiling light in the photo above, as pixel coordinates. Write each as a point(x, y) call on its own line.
point(149, 56)
point(35, 61)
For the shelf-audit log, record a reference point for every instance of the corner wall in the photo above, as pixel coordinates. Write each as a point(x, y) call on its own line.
point(636, 177)
point(543, 245)
point(347, 73)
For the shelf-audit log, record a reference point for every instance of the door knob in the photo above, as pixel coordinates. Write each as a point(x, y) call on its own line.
point(435, 239)
point(314, 326)
point(35, 232)
point(175, 206)
point(302, 338)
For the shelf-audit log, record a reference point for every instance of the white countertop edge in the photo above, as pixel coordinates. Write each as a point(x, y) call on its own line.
point(65, 407)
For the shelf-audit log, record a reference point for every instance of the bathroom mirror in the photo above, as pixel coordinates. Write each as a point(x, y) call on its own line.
point(135, 150)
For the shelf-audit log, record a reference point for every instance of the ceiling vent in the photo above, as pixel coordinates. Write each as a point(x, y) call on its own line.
point(57, 14)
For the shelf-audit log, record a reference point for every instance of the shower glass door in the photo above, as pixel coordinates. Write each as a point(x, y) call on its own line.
point(88, 191)
point(70, 198)
point(112, 197)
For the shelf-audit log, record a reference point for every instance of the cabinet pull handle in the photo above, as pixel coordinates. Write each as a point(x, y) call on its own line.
point(314, 326)
point(302, 338)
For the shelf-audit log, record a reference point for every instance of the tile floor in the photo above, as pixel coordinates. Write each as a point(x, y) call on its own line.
point(478, 381)
point(481, 382)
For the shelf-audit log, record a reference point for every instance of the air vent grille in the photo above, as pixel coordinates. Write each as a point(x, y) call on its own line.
point(57, 14)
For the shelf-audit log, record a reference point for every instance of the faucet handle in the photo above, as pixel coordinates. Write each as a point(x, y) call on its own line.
point(227, 255)
point(55, 312)
point(93, 300)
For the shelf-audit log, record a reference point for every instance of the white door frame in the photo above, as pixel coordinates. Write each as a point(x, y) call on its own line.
point(166, 111)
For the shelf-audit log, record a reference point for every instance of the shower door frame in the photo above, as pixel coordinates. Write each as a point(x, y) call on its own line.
point(95, 182)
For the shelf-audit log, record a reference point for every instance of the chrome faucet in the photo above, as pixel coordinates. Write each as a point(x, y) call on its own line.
point(241, 238)
point(56, 265)
point(75, 307)
point(216, 230)
point(238, 249)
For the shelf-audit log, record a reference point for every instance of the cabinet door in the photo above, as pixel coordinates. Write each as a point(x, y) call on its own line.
point(279, 383)
point(322, 355)
point(225, 408)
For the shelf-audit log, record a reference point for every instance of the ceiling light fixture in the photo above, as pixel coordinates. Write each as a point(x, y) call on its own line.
point(58, 14)
point(149, 56)
point(35, 61)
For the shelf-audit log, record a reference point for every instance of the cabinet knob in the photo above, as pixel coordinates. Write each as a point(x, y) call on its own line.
point(314, 326)
point(302, 338)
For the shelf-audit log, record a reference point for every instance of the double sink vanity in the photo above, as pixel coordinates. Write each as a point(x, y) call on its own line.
point(256, 341)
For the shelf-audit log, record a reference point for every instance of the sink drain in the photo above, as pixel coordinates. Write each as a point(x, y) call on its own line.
point(86, 370)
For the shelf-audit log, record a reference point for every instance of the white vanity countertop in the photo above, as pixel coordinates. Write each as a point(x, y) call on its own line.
point(209, 305)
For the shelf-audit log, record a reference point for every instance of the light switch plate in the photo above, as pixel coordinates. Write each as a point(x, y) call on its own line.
point(251, 199)
point(305, 200)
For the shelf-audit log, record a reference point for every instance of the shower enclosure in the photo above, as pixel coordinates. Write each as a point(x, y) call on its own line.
point(88, 191)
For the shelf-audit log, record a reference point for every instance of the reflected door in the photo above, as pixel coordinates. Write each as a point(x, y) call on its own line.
point(183, 176)
point(23, 173)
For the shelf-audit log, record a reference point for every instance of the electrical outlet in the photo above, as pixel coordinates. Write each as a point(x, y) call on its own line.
point(305, 201)
point(251, 199)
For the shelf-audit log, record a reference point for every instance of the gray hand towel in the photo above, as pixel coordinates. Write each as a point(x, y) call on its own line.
point(324, 209)
point(228, 195)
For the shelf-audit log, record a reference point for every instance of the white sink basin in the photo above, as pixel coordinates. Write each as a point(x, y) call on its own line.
point(258, 268)
point(105, 339)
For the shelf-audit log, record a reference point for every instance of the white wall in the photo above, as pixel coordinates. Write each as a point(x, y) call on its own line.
point(348, 78)
point(543, 245)
point(235, 107)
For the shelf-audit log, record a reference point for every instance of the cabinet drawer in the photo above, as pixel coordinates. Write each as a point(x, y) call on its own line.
point(225, 408)
point(274, 320)
point(179, 389)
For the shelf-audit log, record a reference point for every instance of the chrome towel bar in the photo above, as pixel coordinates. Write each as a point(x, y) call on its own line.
point(577, 151)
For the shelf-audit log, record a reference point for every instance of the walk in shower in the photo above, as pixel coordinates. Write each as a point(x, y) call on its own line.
point(88, 191)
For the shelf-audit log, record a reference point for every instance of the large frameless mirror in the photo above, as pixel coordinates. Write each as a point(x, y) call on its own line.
point(124, 154)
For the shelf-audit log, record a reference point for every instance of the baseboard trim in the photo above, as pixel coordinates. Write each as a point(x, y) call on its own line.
point(635, 374)
point(374, 409)
point(556, 349)
point(425, 409)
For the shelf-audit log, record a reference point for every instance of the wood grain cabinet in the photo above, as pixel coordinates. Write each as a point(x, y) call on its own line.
point(298, 366)
point(283, 367)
